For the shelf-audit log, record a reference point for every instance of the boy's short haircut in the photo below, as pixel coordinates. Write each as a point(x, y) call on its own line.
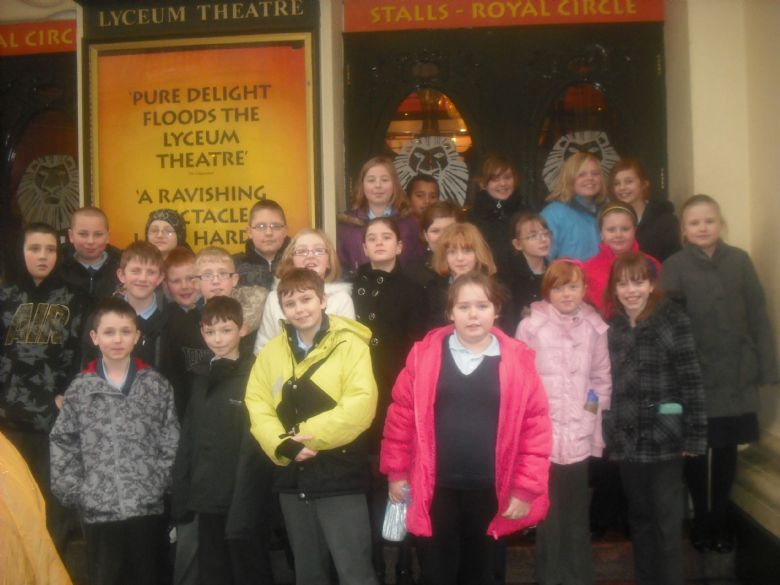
point(89, 211)
point(270, 205)
point(420, 179)
point(115, 305)
point(144, 252)
point(215, 254)
point(220, 309)
point(39, 227)
point(300, 279)
point(520, 219)
point(179, 256)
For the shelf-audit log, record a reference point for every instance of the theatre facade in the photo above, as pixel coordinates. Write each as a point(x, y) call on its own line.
point(206, 107)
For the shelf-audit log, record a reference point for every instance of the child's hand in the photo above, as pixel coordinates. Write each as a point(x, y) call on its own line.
point(396, 491)
point(301, 438)
point(516, 509)
point(58, 401)
point(305, 454)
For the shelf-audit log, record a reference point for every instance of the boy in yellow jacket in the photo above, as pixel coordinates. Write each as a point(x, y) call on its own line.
point(311, 397)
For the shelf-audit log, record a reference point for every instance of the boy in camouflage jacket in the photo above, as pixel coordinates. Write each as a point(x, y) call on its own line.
point(112, 451)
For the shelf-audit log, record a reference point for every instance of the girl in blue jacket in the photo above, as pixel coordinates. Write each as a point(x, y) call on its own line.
point(574, 202)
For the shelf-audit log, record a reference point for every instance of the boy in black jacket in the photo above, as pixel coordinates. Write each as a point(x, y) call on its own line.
point(219, 464)
point(88, 263)
point(40, 318)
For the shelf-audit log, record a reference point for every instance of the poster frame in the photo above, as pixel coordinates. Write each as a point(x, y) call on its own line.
point(95, 51)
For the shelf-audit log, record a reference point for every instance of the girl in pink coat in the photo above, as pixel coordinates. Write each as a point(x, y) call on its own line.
point(469, 433)
point(617, 225)
point(572, 358)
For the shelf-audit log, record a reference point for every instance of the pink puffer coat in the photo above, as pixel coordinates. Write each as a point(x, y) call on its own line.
point(572, 357)
point(522, 441)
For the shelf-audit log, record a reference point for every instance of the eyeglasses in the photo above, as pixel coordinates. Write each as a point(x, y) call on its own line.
point(534, 236)
point(185, 280)
point(217, 276)
point(261, 227)
point(166, 232)
point(309, 252)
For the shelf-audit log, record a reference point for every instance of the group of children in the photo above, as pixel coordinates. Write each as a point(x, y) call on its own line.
point(469, 369)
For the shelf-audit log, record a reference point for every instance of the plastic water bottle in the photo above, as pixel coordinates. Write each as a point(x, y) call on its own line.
point(394, 526)
point(592, 402)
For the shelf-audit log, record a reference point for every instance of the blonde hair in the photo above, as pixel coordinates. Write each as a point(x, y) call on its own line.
point(467, 236)
point(214, 254)
point(333, 272)
point(398, 201)
point(563, 188)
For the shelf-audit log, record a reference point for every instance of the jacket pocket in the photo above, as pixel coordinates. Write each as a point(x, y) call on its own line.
point(668, 431)
point(748, 363)
point(587, 426)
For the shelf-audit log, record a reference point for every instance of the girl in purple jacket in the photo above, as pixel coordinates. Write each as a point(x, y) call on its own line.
point(378, 193)
point(572, 358)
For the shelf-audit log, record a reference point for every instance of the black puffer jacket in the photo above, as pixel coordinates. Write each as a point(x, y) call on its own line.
point(492, 217)
point(253, 269)
point(92, 287)
point(658, 232)
point(525, 287)
point(215, 426)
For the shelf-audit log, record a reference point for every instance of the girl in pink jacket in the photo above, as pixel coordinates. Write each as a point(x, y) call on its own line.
point(469, 433)
point(572, 358)
point(617, 225)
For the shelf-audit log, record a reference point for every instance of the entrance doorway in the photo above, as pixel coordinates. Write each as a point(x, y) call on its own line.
point(439, 100)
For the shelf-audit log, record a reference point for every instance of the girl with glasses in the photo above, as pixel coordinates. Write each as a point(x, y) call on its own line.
point(311, 249)
point(531, 240)
point(166, 229)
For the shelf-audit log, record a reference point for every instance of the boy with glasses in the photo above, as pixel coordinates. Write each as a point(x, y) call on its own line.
point(216, 272)
point(267, 233)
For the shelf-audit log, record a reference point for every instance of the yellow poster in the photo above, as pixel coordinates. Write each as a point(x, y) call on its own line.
point(206, 128)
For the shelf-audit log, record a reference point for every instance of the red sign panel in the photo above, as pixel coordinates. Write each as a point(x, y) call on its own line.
point(31, 38)
point(375, 15)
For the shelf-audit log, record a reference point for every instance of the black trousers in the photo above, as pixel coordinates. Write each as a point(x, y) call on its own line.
point(655, 510)
point(459, 551)
point(224, 561)
point(125, 552)
point(710, 480)
point(377, 505)
point(563, 553)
